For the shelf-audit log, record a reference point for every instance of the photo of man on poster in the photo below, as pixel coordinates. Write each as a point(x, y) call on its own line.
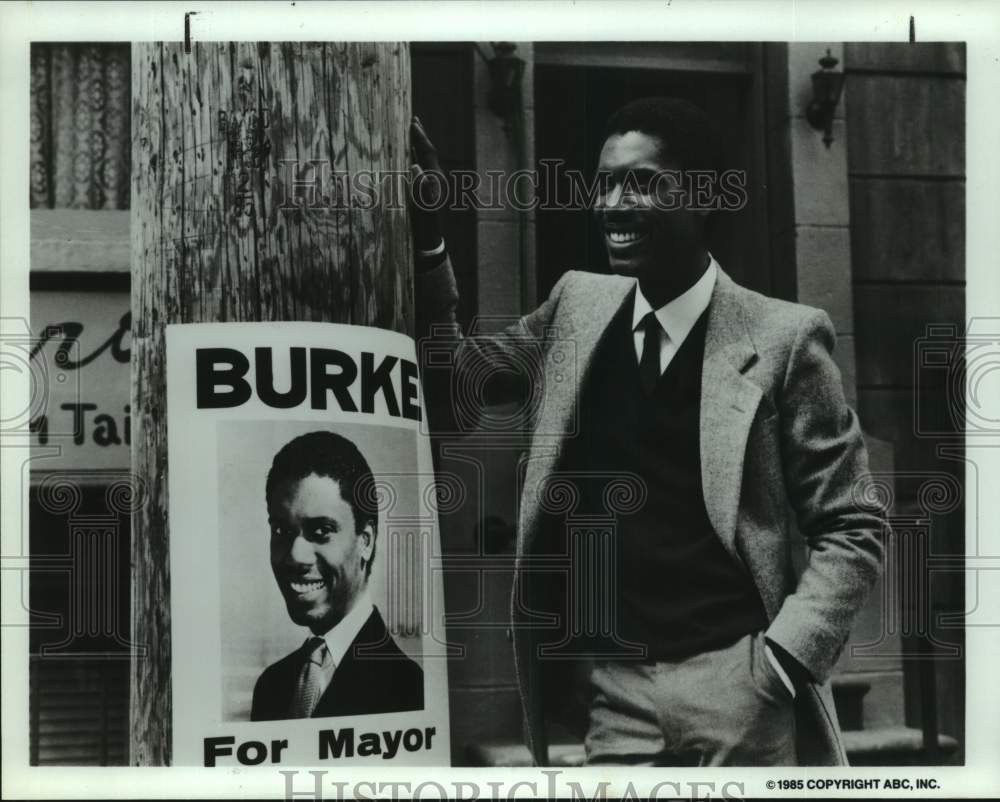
point(324, 530)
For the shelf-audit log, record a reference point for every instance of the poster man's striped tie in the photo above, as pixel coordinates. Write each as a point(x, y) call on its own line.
point(309, 688)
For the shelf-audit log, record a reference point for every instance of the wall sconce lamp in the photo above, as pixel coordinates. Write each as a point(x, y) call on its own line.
point(506, 71)
point(827, 83)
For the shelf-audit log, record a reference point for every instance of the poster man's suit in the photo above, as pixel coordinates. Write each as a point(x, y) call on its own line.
point(373, 677)
point(779, 449)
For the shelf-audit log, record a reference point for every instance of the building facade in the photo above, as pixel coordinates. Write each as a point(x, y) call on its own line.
point(869, 227)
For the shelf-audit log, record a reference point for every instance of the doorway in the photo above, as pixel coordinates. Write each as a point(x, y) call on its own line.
point(575, 93)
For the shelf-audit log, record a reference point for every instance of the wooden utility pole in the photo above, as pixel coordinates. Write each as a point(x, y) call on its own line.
point(249, 204)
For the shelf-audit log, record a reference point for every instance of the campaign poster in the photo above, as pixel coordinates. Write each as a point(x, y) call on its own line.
point(303, 532)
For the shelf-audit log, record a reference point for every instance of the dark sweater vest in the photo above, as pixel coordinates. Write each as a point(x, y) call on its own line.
point(679, 592)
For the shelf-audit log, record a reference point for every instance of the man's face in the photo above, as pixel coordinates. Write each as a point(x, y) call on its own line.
point(643, 215)
point(317, 554)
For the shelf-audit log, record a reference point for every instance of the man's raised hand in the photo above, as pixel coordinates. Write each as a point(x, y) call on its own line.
point(427, 193)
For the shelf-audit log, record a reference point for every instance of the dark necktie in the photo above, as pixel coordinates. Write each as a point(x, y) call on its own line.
point(649, 365)
point(309, 687)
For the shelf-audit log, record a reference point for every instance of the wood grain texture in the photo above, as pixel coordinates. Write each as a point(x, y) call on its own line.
point(905, 125)
point(889, 319)
point(895, 415)
point(908, 230)
point(946, 58)
point(220, 232)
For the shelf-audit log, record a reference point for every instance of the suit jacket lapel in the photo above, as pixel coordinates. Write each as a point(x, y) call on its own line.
point(580, 323)
point(345, 678)
point(729, 402)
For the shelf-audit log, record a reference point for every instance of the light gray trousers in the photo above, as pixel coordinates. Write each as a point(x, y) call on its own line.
point(727, 707)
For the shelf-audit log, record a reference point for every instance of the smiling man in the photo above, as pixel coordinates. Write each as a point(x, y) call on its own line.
point(324, 527)
point(646, 211)
point(725, 412)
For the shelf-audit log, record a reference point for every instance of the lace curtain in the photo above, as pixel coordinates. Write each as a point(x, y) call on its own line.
point(80, 126)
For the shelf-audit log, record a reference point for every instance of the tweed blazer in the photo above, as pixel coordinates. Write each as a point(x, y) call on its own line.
point(782, 455)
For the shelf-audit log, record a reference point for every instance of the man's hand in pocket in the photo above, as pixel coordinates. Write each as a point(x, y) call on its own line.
point(772, 658)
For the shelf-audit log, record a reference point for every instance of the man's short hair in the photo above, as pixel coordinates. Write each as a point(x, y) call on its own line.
point(690, 138)
point(328, 454)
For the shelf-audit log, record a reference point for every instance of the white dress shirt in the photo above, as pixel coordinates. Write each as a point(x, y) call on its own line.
point(676, 317)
